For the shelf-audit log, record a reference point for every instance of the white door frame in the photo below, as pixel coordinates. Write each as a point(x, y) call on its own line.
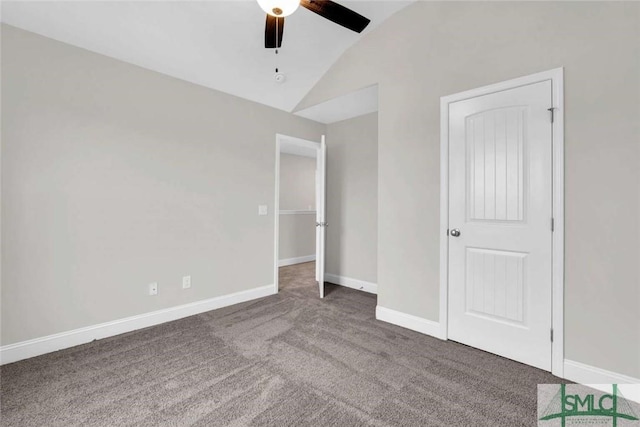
point(557, 322)
point(303, 145)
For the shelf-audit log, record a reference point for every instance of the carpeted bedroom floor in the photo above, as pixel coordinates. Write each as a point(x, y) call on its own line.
point(286, 360)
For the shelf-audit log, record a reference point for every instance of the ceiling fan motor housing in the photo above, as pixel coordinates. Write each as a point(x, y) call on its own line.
point(279, 8)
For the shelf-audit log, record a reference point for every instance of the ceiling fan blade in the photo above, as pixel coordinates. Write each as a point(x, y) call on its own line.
point(337, 13)
point(270, 32)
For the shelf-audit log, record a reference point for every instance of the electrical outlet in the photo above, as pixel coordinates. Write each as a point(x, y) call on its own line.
point(186, 282)
point(153, 288)
point(262, 210)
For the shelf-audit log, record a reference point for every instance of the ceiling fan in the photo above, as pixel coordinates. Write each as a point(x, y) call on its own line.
point(278, 9)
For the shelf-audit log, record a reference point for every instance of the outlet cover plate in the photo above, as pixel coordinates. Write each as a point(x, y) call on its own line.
point(186, 282)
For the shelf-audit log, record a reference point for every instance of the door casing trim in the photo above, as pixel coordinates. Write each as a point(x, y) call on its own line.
point(282, 140)
point(556, 76)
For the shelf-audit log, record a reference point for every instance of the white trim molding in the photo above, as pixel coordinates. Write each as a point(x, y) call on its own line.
point(557, 132)
point(556, 76)
point(348, 282)
point(585, 374)
point(38, 346)
point(297, 260)
point(415, 323)
point(297, 146)
point(293, 212)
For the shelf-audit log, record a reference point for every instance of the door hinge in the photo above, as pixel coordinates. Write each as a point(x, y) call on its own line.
point(551, 110)
point(553, 225)
point(551, 335)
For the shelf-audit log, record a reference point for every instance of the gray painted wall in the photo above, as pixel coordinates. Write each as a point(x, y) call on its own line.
point(297, 236)
point(114, 176)
point(432, 49)
point(297, 192)
point(297, 182)
point(352, 198)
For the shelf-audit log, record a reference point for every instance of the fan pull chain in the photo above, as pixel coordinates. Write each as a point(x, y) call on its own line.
point(277, 45)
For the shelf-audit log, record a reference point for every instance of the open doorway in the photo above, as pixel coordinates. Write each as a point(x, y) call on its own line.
point(350, 221)
point(352, 188)
point(298, 231)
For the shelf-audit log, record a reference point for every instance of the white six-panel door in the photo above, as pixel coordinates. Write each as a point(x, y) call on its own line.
point(500, 210)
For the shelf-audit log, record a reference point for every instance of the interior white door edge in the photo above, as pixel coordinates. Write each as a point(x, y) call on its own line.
point(321, 214)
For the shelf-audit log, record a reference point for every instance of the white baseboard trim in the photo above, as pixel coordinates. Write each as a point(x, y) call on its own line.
point(586, 374)
point(35, 347)
point(415, 323)
point(348, 282)
point(297, 260)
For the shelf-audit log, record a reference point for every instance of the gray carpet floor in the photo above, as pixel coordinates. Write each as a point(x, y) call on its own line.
point(286, 360)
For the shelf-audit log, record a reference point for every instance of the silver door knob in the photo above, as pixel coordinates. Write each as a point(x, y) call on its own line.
point(455, 232)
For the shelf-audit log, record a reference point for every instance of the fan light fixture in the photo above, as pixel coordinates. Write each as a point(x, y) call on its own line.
point(279, 8)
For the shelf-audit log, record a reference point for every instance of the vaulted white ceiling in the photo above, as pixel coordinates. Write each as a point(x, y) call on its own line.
point(217, 44)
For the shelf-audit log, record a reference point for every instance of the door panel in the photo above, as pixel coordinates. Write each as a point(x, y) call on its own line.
point(500, 201)
point(321, 216)
point(495, 147)
point(495, 284)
